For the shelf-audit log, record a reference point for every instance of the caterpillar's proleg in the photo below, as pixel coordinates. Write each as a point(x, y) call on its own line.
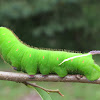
point(61, 71)
point(43, 62)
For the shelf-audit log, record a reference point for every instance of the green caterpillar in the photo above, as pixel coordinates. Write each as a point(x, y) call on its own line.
point(30, 60)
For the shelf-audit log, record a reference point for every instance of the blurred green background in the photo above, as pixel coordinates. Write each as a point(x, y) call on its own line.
point(57, 24)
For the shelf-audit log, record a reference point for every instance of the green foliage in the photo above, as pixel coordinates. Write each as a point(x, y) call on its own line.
point(44, 95)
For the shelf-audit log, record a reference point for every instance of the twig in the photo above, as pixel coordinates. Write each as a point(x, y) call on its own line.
point(22, 77)
point(47, 90)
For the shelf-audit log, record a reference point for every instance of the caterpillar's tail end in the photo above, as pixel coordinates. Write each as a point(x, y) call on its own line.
point(95, 52)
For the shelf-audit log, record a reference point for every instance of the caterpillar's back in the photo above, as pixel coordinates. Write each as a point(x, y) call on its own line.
point(32, 61)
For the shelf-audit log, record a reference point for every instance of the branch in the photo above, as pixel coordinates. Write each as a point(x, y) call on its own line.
point(22, 77)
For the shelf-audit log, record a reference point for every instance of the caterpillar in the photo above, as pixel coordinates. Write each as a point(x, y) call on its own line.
point(32, 60)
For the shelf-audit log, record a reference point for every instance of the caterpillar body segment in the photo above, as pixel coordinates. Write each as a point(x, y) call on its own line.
point(33, 61)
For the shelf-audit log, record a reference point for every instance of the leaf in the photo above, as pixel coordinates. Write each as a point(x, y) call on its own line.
point(44, 95)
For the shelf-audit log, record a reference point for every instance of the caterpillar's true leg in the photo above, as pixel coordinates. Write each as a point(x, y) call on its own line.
point(14, 68)
point(60, 71)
